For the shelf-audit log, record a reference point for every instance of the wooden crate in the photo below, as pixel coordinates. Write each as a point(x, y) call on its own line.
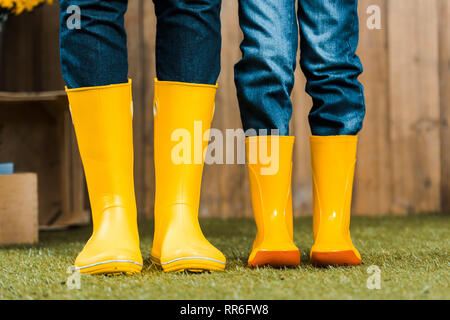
point(18, 208)
point(36, 134)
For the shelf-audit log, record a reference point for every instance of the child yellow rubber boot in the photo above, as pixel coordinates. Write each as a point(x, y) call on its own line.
point(183, 114)
point(102, 117)
point(333, 165)
point(269, 160)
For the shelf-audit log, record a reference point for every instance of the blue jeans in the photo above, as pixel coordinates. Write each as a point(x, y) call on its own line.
point(265, 76)
point(95, 54)
point(188, 47)
point(188, 42)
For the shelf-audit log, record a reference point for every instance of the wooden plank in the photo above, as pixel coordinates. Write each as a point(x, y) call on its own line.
point(31, 61)
point(301, 172)
point(59, 97)
point(225, 189)
point(444, 80)
point(21, 37)
point(18, 209)
point(48, 74)
point(372, 193)
point(134, 26)
point(414, 100)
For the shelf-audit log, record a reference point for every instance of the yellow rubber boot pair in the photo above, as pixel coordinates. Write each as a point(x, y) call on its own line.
point(269, 160)
point(333, 163)
point(183, 114)
point(102, 117)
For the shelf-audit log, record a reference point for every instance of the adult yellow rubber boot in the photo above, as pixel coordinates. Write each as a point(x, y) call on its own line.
point(333, 165)
point(182, 117)
point(102, 117)
point(270, 185)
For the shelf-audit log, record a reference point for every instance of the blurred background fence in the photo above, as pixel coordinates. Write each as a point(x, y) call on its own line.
point(403, 159)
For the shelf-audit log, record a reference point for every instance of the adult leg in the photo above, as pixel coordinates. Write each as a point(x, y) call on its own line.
point(187, 65)
point(188, 40)
point(94, 66)
point(96, 53)
point(264, 79)
point(329, 37)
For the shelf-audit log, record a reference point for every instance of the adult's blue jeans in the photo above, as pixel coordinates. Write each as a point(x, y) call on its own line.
point(188, 46)
point(265, 75)
point(188, 41)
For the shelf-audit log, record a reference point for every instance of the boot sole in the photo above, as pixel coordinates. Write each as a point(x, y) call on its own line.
point(276, 259)
point(191, 264)
point(336, 258)
point(111, 267)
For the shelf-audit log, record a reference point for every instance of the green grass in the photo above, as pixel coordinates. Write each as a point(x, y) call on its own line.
point(412, 253)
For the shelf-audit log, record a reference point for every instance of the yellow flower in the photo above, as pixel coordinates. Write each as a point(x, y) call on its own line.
point(18, 6)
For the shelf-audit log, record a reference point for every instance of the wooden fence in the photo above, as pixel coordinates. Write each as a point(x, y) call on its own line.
point(403, 159)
